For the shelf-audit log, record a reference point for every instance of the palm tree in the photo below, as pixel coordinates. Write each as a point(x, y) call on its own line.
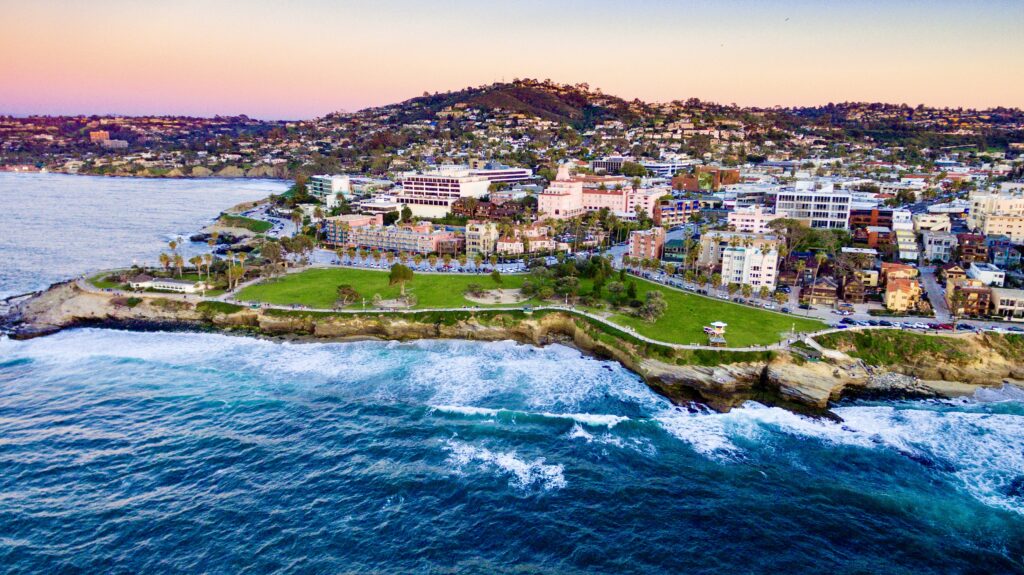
point(390, 257)
point(208, 260)
point(432, 260)
point(493, 259)
point(179, 263)
point(747, 290)
point(403, 258)
point(297, 220)
point(417, 259)
point(447, 259)
point(478, 260)
point(165, 261)
point(819, 258)
point(462, 260)
point(716, 281)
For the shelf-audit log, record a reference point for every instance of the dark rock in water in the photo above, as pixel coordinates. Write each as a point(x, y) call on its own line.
point(221, 250)
point(1016, 487)
point(222, 238)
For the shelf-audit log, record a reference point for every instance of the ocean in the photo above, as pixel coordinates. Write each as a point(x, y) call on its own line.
point(179, 452)
point(59, 226)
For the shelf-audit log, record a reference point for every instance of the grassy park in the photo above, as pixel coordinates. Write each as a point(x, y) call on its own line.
point(253, 225)
point(683, 321)
point(687, 314)
point(318, 288)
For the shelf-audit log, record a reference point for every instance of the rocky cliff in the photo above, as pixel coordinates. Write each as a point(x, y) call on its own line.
point(719, 379)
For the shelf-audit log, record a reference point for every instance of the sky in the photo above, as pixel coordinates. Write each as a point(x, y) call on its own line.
point(296, 59)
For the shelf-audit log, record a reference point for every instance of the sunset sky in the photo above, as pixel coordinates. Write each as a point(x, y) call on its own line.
point(304, 58)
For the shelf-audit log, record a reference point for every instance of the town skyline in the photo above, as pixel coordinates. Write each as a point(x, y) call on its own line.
point(311, 59)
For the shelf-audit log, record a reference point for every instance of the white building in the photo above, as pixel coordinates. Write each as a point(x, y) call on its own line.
point(431, 195)
point(742, 258)
point(987, 274)
point(752, 219)
point(938, 245)
point(817, 203)
point(902, 220)
point(327, 188)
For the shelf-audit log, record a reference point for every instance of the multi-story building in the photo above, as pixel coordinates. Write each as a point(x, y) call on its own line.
point(481, 238)
point(741, 257)
point(902, 294)
point(938, 246)
point(986, 273)
point(563, 198)
point(906, 245)
point(335, 229)
point(997, 213)
point(567, 197)
point(431, 195)
point(497, 173)
point(1008, 303)
point(99, 136)
point(705, 179)
point(1002, 251)
point(752, 219)
point(932, 222)
point(327, 188)
point(360, 231)
point(966, 296)
point(971, 248)
point(647, 244)
point(674, 212)
point(818, 204)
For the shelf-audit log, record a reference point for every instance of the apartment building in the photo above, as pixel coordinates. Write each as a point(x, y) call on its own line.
point(939, 246)
point(674, 212)
point(431, 195)
point(817, 203)
point(481, 238)
point(998, 213)
point(932, 222)
point(741, 258)
point(647, 244)
point(906, 245)
point(752, 219)
point(363, 231)
point(1008, 303)
point(335, 230)
point(902, 294)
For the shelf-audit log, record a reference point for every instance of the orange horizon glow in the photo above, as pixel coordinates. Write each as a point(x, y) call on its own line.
point(301, 59)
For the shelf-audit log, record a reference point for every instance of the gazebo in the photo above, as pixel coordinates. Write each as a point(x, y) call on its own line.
point(716, 333)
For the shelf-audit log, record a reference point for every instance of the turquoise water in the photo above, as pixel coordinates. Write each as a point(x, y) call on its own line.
point(182, 453)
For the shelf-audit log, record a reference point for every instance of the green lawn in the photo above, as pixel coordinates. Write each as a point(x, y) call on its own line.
point(319, 288)
point(100, 280)
point(683, 322)
point(687, 315)
point(258, 226)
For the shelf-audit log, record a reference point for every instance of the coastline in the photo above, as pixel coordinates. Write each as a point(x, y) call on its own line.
point(719, 379)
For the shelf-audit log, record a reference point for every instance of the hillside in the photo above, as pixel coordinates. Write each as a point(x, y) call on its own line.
point(576, 105)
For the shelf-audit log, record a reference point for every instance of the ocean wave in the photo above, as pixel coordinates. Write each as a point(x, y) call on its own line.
point(522, 474)
point(589, 419)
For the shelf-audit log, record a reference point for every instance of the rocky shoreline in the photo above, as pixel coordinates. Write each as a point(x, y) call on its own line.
point(721, 380)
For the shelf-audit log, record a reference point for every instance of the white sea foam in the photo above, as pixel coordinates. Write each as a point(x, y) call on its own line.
point(522, 474)
point(589, 419)
point(997, 395)
point(706, 433)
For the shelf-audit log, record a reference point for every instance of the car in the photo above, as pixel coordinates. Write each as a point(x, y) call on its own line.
point(769, 306)
point(933, 326)
point(874, 322)
point(965, 327)
point(945, 326)
point(1015, 328)
point(805, 306)
point(839, 326)
point(723, 296)
point(786, 310)
point(885, 322)
point(847, 321)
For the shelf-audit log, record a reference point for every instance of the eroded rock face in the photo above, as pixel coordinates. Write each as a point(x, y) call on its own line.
point(784, 380)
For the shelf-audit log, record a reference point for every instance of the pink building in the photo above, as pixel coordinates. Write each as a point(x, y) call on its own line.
point(753, 219)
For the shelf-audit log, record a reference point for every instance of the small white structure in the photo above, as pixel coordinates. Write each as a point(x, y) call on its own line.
point(143, 281)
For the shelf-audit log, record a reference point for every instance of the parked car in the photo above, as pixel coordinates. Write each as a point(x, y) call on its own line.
point(786, 310)
point(847, 321)
point(769, 306)
point(805, 306)
point(885, 322)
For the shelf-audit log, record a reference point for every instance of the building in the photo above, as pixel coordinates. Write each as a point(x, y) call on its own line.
point(932, 222)
point(861, 218)
point(873, 236)
point(705, 179)
point(498, 173)
point(563, 198)
point(906, 245)
point(327, 188)
point(971, 248)
point(752, 219)
point(823, 291)
point(986, 273)
point(998, 212)
point(647, 244)
point(938, 246)
point(1008, 303)
point(902, 294)
point(609, 165)
point(665, 168)
point(674, 212)
point(818, 204)
point(742, 258)
point(476, 209)
point(144, 281)
point(114, 144)
point(481, 238)
point(99, 136)
point(854, 291)
point(968, 297)
point(431, 195)
point(335, 229)
point(893, 270)
point(368, 231)
point(1002, 251)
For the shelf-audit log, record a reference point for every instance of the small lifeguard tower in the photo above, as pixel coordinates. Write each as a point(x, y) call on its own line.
point(716, 333)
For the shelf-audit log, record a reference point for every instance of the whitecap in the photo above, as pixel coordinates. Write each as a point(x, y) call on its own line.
point(522, 474)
